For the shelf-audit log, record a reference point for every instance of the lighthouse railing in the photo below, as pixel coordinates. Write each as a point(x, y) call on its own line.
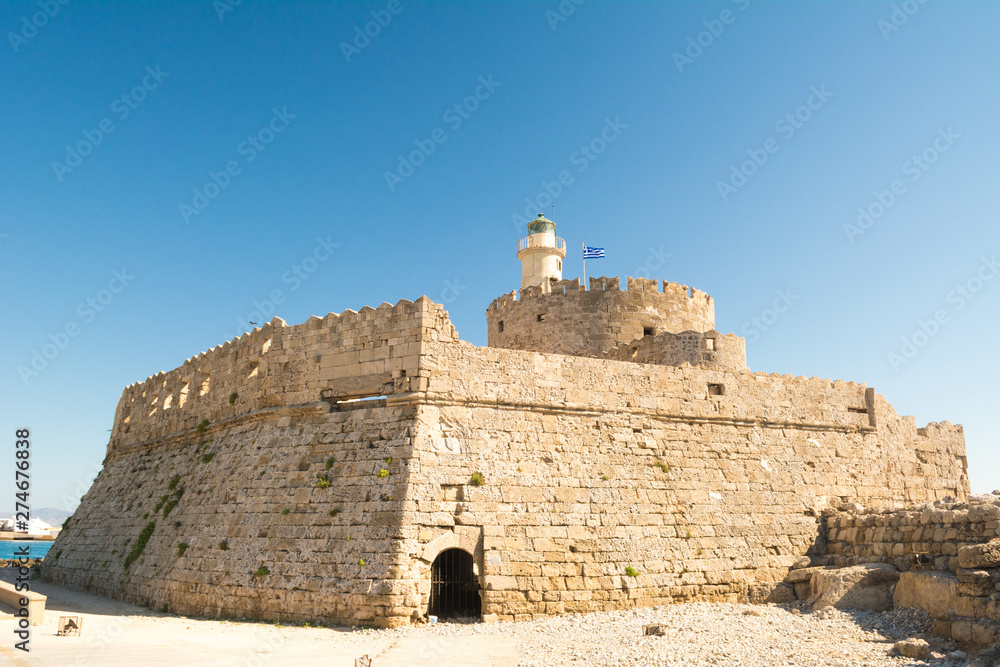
point(542, 241)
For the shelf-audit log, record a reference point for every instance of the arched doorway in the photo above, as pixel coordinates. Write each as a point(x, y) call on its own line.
point(454, 586)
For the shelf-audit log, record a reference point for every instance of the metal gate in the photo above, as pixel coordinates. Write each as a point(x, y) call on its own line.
point(454, 586)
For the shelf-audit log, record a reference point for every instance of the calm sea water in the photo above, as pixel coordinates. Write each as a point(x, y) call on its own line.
point(35, 549)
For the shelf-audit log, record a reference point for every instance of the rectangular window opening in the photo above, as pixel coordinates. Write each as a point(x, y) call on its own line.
point(710, 343)
point(862, 411)
point(541, 317)
point(500, 326)
point(716, 390)
point(648, 331)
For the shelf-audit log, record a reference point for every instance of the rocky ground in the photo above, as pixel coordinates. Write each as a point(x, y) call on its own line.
point(712, 634)
point(116, 633)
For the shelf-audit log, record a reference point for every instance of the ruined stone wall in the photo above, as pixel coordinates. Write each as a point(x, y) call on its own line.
point(592, 467)
point(289, 503)
point(948, 553)
point(710, 349)
point(573, 320)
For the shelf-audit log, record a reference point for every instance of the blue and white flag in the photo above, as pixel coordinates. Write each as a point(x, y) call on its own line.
point(592, 253)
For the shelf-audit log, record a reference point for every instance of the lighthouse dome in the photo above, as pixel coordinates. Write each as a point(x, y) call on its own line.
point(541, 225)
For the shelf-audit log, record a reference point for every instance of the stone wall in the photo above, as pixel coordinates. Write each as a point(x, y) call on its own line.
point(573, 320)
point(345, 465)
point(286, 477)
point(948, 553)
point(593, 467)
point(710, 349)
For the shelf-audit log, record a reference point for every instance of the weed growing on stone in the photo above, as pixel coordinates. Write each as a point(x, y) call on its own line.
point(631, 571)
point(203, 425)
point(382, 474)
point(661, 465)
point(224, 545)
point(286, 511)
point(174, 481)
point(232, 398)
point(181, 548)
point(205, 458)
point(329, 463)
point(140, 544)
point(477, 479)
point(261, 571)
point(324, 482)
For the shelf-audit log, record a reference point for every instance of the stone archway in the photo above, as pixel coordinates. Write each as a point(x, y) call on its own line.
point(454, 586)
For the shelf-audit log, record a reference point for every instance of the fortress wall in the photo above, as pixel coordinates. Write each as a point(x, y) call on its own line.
point(350, 354)
point(592, 322)
point(574, 494)
point(260, 457)
point(256, 486)
point(710, 349)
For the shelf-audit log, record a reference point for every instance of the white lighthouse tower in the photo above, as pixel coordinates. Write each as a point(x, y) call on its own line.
point(541, 254)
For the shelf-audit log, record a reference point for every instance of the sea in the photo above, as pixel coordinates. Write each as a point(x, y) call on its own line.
point(36, 548)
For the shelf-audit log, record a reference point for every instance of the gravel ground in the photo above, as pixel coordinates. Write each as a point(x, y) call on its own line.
point(709, 634)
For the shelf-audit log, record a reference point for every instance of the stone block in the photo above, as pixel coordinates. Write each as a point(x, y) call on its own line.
point(980, 555)
point(862, 587)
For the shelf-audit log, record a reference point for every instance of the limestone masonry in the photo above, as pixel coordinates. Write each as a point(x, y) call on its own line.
point(609, 449)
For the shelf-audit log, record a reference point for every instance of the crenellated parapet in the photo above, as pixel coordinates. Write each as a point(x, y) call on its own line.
point(371, 352)
point(571, 319)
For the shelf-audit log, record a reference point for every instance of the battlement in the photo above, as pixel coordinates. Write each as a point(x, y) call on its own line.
point(603, 284)
point(373, 351)
point(571, 319)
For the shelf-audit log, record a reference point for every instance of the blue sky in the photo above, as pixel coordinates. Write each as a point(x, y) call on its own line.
point(168, 167)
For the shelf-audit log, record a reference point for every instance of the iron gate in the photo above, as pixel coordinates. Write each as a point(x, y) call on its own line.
point(454, 586)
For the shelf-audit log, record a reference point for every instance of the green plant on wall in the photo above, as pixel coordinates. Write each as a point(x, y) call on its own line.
point(631, 571)
point(382, 474)
point(232, 398)
point(661, 465)
point(203, 425)
point(224, 545)
point(140, 544)
point(174, 481)
point(477, 479)
point(181, 548)
point(261, 571)
point(323, 482)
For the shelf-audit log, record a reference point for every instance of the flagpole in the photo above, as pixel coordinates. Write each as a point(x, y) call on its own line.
point(583, 250)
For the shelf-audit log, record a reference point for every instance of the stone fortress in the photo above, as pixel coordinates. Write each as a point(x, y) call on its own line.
point(608, 449)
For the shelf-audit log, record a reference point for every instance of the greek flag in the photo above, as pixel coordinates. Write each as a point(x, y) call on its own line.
point(592, 253)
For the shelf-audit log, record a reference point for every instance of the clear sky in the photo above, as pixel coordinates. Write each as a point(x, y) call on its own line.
point(169, 168)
